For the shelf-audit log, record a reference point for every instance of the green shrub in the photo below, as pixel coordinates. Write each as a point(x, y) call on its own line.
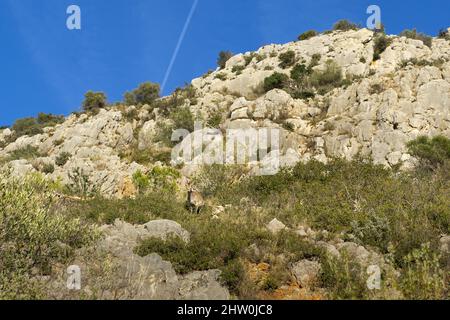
point(444, 34)
point(221, 76)
point(299, 72)
point(62, 159)
point(33, 237)
point(80, 184)
point(433, 152)
point(237, 69)
point(224, 56)
point(345, 25)
point(381, 43)
point(183, 119)
point(48, 168)
point(28, 152)
point(32, 126)
point(146, 93)
point(413, 34)
point(276, 81)
point(215, 119)
point(424, 279)
point(327, 79)
point(344, 278)
point(141, 181)
point(213, 246)
point(159, 179)
point(93, 101)
point(26, 127)
point(287, 59)
point(179, 98)
point(48, 119)
point(308, 35)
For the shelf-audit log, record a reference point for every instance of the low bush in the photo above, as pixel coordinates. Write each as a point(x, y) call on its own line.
point(345, 25)
point(424, 278)
point(276, 81)
point(413, 34)
point(308, 35)
point(81, 185)
point(62, 158)
point(32, 126)
point(28, 152)
point(431, 152)
point(331, 77)
point(287, 59)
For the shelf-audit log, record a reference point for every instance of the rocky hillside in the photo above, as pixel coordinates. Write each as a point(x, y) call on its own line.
point(100, 189)
point(372, 111)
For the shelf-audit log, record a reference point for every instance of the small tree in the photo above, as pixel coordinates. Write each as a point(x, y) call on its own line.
point(146, 93)
point(94, 101)
point(224, 56)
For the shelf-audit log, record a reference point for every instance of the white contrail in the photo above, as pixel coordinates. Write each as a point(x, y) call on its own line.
point(177, 48)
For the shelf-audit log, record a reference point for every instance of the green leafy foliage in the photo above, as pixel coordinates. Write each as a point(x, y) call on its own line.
point(93, 101)
point(62, 158)
point(308, 35)
point(432, 152)
point(276, 81)
point(224, 56)
point(287, 59)
point(381, 43)
point(146, 93)
point(345, 25)
point(33, 237)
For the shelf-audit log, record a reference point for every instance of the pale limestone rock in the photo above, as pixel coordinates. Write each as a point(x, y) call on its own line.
point(276, 226)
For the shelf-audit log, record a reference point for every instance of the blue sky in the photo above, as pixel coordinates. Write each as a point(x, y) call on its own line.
point(47, 68)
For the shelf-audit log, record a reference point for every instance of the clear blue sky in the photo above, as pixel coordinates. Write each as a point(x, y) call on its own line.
point(45, 67)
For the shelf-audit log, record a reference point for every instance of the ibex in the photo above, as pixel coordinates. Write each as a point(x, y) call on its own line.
point(195, 201)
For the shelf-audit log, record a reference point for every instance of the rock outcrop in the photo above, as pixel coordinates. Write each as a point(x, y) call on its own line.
point(385, 103)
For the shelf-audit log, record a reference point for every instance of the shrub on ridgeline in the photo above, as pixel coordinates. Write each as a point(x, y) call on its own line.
point(413, 34)
point(224, 56)
point(93, 101)
point(307, 35)
point(32, 126)
point(146, 93)
point(444, 34)
point(345, 25)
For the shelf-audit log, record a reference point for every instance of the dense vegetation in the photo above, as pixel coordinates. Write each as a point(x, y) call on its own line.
point(400, 215)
